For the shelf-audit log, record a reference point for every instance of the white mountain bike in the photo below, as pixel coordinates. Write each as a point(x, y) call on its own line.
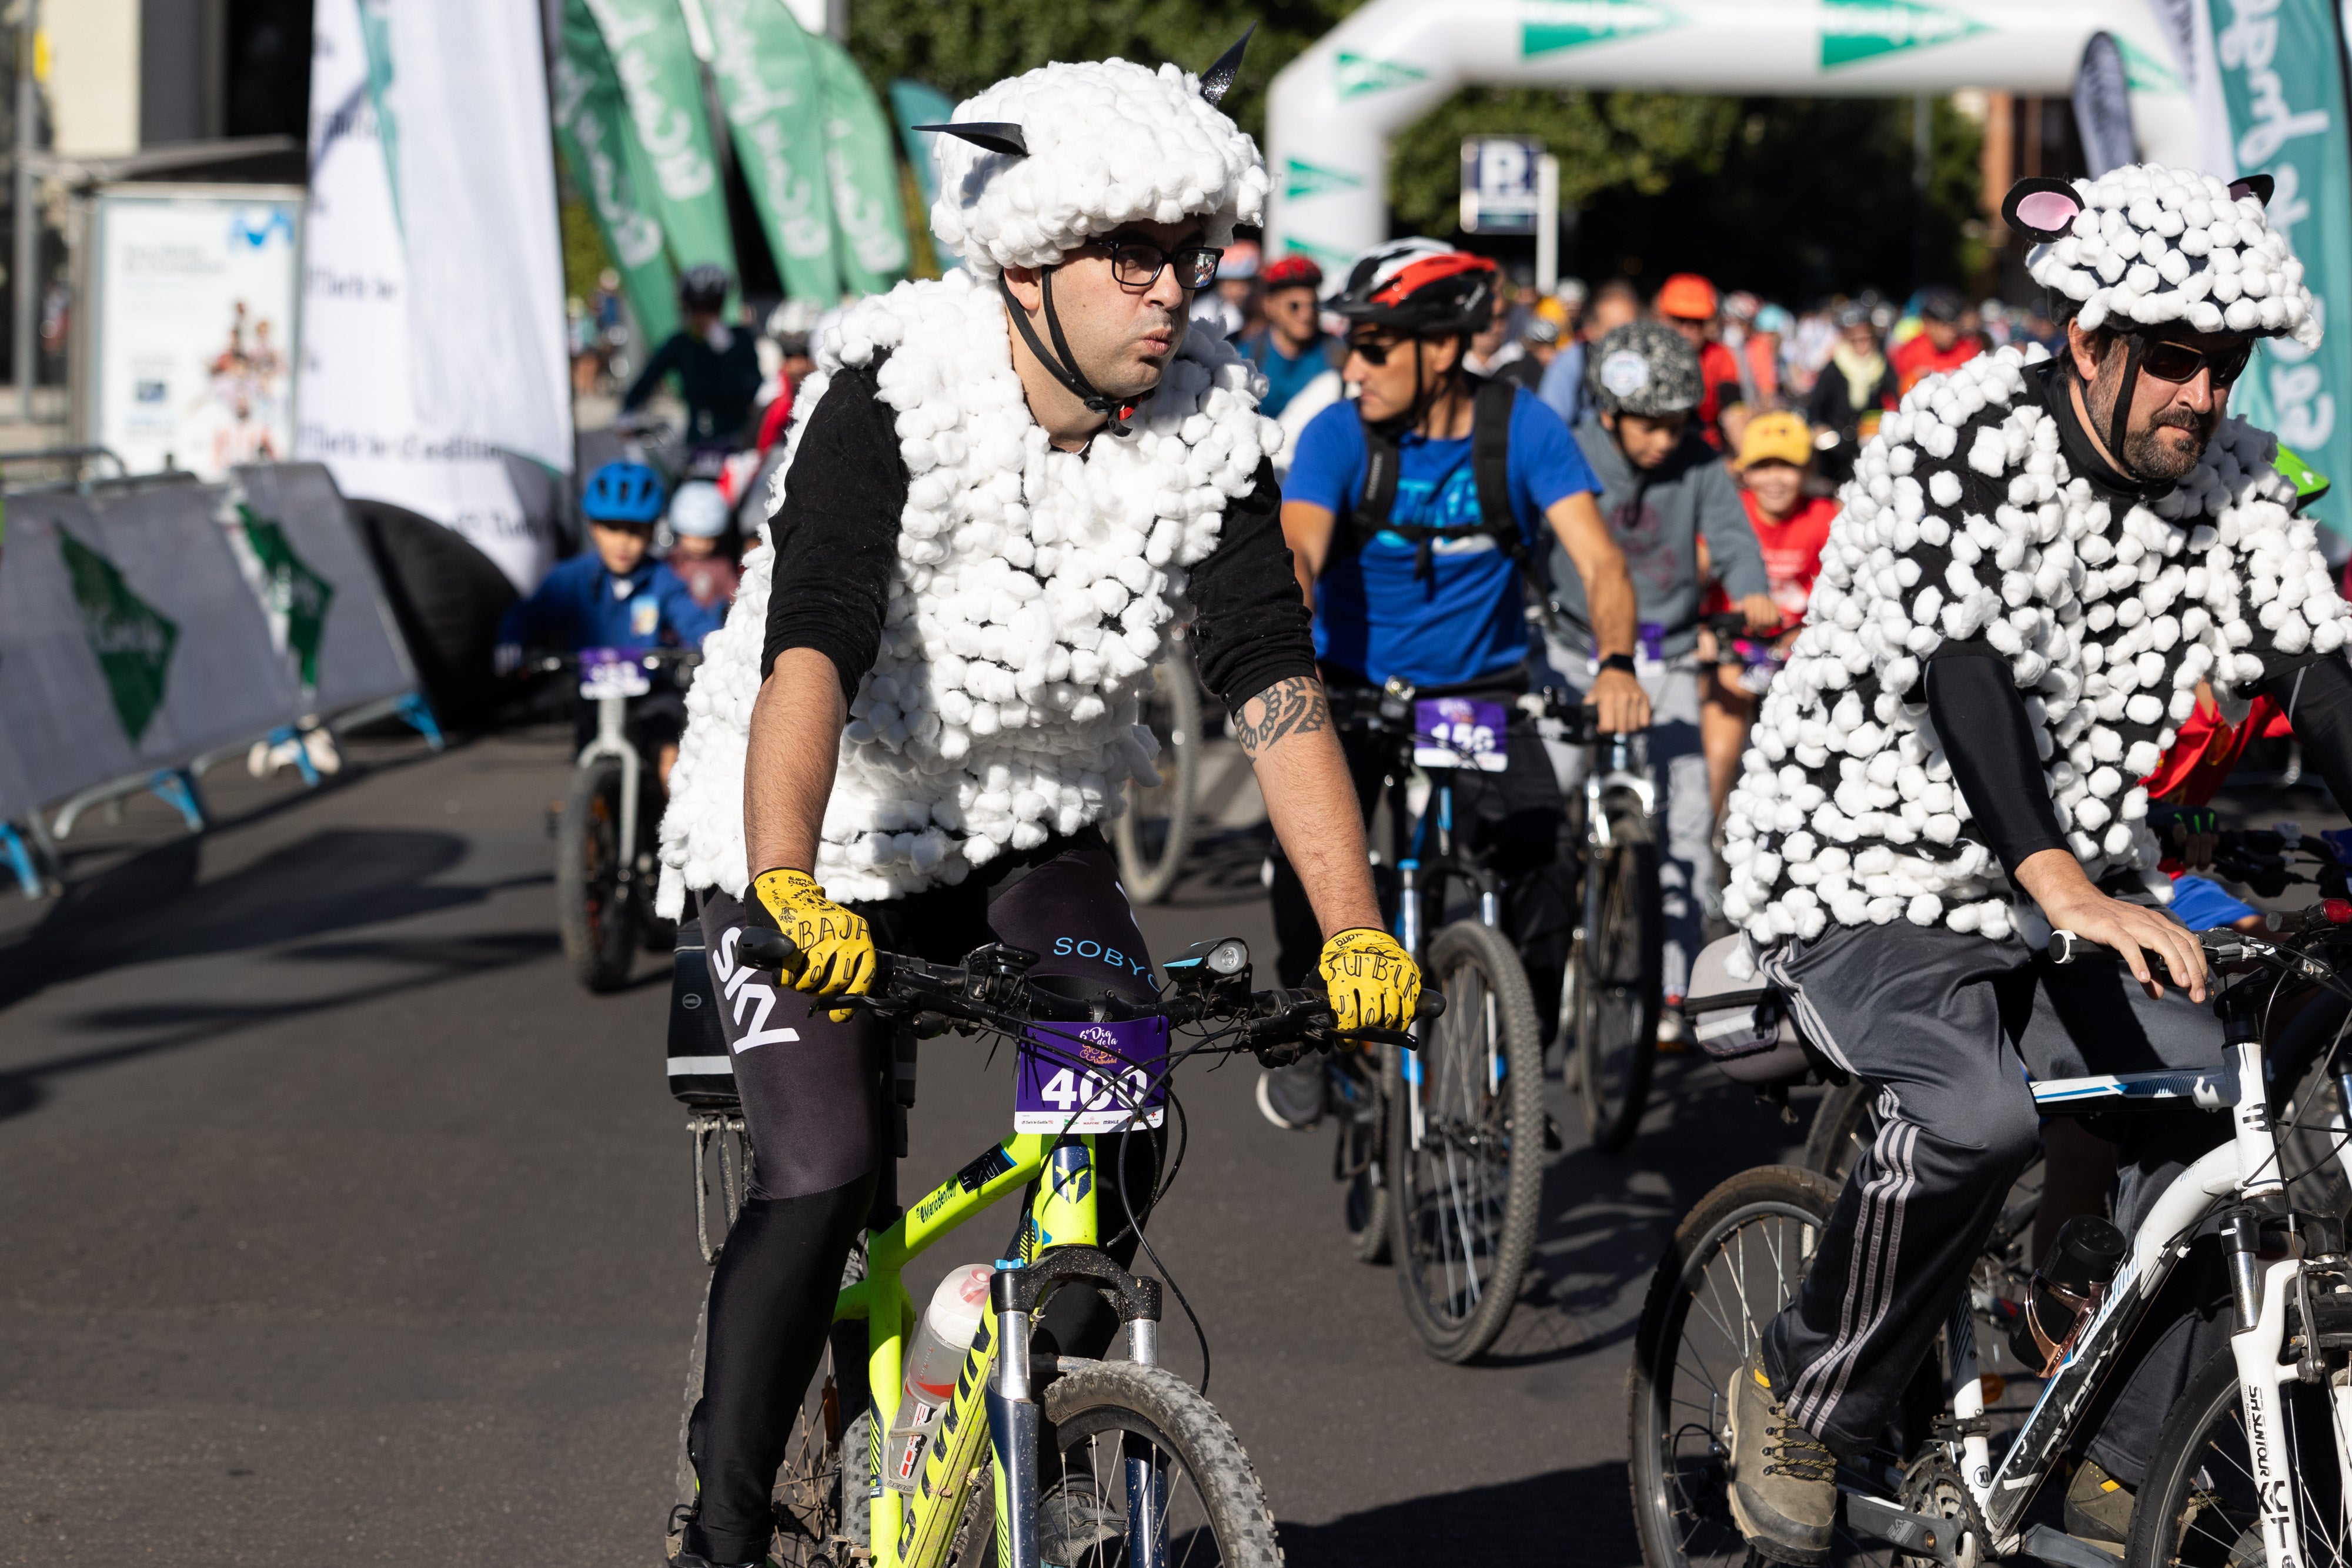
point(2253, 1464)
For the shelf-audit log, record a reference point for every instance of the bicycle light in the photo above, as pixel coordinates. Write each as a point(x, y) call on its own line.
point(2338, 911)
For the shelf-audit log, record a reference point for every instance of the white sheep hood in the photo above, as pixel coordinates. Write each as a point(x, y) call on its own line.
point(2109, 616)
point(1032, 591)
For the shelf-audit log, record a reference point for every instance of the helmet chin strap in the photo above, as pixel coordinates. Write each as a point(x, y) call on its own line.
point(1065, 369)
point(2119, 424)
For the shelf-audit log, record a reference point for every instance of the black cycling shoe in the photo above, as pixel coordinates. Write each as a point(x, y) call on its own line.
point(676, 1553)
point(1293, 1097)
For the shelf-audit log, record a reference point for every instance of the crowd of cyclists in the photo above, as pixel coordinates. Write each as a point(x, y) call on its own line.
point(1473, 491)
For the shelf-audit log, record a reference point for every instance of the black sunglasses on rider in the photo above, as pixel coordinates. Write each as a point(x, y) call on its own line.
point(2177, 362)
point(1136, 264)
point(1374, 352)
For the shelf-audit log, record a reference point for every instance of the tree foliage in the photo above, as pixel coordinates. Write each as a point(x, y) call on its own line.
point(1793, 196)
point(961, 46)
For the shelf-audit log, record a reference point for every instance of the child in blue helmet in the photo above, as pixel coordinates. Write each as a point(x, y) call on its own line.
point(615, 594)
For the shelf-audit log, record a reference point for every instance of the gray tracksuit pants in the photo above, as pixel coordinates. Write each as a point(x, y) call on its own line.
point(1944, 1025)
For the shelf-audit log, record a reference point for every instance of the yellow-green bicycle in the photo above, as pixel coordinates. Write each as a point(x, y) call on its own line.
point(1034, 1460)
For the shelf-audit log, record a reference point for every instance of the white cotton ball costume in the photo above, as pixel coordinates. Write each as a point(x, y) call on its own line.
point(2108, 614)
point(1034, 588)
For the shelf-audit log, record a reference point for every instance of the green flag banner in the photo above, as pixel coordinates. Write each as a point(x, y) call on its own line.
point(2281, 65)
point(869, 225)
point(768, 81)
point(592, 129)
point(914, 103)
point(654, 59)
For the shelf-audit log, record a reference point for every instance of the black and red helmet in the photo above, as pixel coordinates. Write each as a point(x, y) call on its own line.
point(1291, 272)
point(1420, 287)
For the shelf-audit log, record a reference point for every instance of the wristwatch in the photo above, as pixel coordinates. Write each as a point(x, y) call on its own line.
point(1623, 661)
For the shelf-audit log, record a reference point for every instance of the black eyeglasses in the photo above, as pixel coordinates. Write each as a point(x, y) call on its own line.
point(1373, 352)
point(1136, 263)
point(2177, 362)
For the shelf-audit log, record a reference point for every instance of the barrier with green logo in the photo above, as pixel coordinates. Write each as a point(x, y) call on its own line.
point(145, 626)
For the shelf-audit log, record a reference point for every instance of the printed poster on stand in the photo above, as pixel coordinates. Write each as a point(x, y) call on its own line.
point(195, 292)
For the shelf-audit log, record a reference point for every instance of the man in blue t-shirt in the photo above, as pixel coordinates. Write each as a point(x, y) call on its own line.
point(1292, 350)
point(1433, 593)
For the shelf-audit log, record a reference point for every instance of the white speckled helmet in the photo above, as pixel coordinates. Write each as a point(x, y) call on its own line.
point(1042, 162)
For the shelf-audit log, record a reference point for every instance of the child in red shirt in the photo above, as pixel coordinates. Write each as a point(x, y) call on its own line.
point(1775, 458)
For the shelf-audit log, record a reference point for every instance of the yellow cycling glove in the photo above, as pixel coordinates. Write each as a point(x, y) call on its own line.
point(836, 949)
point(1374, 983)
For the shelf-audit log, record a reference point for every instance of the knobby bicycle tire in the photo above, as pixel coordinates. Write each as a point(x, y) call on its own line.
point(2195, 1505)
point(1151, 856)
point(1618, 972)
point(1153, 1402)
point(1441, 1237)
point(596, 910)
point(1842, 1125)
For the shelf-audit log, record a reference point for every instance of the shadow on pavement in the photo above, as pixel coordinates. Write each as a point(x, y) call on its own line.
point(153, 906)
point(1608, 1217)
point(1535, 1519)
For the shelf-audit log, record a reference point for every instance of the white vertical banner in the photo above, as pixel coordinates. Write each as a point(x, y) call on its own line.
point(370, 342)
point(477, 202)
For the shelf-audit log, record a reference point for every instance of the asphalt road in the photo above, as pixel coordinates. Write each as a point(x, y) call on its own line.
point(341, 1226)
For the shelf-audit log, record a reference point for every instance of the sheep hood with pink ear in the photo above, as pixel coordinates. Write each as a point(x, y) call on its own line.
point(2145, 246)
point(1107, 142)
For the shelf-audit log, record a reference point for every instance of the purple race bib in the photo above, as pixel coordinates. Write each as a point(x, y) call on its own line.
point(1455, 732)
point(612, 672)
point(1091, 1077)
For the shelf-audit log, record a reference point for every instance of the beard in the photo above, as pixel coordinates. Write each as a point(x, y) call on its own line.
point(2151, 456)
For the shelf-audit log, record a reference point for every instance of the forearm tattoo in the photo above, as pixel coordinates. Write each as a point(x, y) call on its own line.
point(1293, 707)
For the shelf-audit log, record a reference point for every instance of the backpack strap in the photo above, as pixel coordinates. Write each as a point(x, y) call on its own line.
point(1490, 462)
point(1490, 451)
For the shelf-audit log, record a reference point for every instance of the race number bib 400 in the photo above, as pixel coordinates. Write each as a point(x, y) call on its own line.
point(1455, 732)
point(1091, 1077)
point(612, 672)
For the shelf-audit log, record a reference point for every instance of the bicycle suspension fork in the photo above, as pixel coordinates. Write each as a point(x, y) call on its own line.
point(1015, 1424)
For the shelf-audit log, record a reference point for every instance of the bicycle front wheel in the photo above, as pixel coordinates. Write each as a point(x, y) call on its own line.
point(1154, 834)
point(1734, 1263)
point(2197, 1505)
point(594, 907)
point(1616, 969)
point(1138, 1468)
point(1466, 1146)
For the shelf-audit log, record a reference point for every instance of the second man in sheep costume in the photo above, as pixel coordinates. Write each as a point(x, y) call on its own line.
point(1001, 487)
point(2040, 565)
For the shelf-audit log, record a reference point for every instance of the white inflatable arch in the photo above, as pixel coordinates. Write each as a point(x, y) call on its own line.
point(1332, 111)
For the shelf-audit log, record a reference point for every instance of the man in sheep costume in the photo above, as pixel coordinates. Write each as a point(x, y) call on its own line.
point(1001, 489)
point(2040, 564)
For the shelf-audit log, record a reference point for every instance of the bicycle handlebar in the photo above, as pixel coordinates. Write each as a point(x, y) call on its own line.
point(990, 988)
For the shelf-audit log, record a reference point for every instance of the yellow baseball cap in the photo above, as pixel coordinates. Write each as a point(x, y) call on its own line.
point(1776, 438)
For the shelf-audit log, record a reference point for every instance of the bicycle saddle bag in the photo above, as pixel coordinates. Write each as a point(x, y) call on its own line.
point(702, 1073)
point(1741, 1025)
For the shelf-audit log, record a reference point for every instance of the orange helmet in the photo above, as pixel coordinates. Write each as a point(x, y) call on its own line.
point(1687, 296)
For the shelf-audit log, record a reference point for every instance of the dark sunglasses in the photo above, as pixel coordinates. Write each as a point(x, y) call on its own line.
point(1136, 263)
point(1373, 352)
point(2177, 362)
